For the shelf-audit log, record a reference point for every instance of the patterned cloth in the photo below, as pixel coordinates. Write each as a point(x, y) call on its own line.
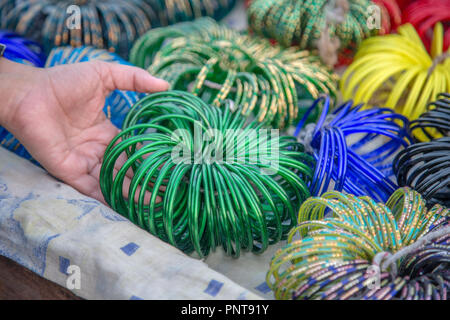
point(53, 230)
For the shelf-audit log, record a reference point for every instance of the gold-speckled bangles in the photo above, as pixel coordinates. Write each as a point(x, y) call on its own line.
point(108, 24)
point(365, 250)
point(330, 26)
point(217, 63)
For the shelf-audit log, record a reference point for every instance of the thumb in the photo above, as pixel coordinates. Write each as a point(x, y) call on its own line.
point(129, 78)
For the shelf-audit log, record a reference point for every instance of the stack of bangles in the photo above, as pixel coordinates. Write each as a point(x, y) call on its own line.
point(435, 123)
point(217, 63)
point(330, 26)
point(27, 52)
point(200, 177)
point(425, 167)
point(354, 148)
point(365, 250)
point(109, 24)
point(396, 71)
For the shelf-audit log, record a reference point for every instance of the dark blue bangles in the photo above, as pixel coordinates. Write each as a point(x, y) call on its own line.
point(354, 148)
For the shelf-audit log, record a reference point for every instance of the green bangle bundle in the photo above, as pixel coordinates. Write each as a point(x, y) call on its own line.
point(311, 24)
point(108, 24)
point(214, 179)
point(217, 63)
point(365, 250)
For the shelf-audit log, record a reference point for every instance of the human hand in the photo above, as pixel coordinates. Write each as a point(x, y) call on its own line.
point(58, 115)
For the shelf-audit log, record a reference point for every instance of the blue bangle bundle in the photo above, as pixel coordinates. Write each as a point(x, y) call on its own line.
point(24, 51)
point(108, 24)
point(354, 148)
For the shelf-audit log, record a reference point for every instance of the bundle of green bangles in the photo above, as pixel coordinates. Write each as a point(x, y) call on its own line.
point(217, 63)
point(313, 24)
point(201, 177)
point(365, 250)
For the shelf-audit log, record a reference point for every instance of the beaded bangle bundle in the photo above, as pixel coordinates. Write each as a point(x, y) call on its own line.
point(354, 149)
point(365, 250)
point(27, 52)
point(224, 189)
point(217, 63)
point(330, 26)
point(110, 24)
point(398, 72)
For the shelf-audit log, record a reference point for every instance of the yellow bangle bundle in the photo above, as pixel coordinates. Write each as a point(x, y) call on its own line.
point(398, 72)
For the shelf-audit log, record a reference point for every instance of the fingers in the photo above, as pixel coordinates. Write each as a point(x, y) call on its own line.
point(123, 77)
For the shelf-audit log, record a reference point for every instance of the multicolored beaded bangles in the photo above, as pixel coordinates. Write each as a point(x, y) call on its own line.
point(396, 71)
point(354, 148)
point(425, 167)
point(109, 24)
point(217, 63)
point(23, 51)
point(329, 26)
point(200, 177)
point(365, 250)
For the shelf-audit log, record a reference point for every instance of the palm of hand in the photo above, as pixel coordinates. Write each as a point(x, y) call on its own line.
point(62, 123)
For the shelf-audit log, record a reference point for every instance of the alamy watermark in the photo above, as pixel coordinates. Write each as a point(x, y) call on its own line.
point(259, 148)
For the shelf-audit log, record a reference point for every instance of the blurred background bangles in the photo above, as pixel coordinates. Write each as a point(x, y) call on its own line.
point(329, 26)
point(110, 24)
point(424, 14)
point(365, 250)
point(217, 63)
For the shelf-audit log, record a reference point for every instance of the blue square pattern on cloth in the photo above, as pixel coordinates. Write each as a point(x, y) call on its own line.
point(263, 287)
point(64, 263)
point(213, 288)
point(130, 248)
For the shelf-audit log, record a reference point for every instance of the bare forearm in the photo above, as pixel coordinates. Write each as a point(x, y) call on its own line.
point(14, 85)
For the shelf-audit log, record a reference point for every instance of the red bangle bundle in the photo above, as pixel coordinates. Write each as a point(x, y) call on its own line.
point(424, 14)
